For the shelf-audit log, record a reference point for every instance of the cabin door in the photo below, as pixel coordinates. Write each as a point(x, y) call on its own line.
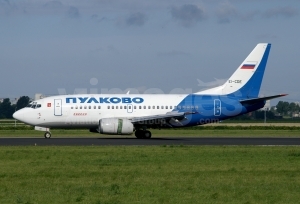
point(57, 107)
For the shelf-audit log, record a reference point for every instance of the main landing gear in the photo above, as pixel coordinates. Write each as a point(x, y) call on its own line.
point(143, 134)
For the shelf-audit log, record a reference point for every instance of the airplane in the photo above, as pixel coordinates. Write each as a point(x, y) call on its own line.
point(125, 114)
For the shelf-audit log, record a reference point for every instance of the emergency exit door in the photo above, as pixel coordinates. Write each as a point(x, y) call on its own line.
point(129, 108)
point(57, 107)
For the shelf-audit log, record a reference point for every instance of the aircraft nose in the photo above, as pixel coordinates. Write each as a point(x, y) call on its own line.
point(18, 115)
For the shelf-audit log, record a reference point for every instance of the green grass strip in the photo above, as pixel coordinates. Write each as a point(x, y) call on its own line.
point(161, 174)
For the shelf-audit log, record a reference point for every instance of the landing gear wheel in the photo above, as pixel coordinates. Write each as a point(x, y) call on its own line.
point(143, 134)
point(147, 134)
point(47, 135)
point(139, 134)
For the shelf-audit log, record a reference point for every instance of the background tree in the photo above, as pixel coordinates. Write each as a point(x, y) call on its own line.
point(261, 114)
point(22, 102)
point(1, 115)
point(293, 108)
point(282, 107)
point(6, 109)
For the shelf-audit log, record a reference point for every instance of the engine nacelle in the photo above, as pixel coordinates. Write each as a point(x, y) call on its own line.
point(115, 126)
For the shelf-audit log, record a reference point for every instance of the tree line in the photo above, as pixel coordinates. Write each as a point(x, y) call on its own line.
point(287, 109)
point(282, 109)
point(7, 109)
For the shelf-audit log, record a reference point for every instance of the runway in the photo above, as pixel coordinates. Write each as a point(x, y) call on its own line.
point(153, 141)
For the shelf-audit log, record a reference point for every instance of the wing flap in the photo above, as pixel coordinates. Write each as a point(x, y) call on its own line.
point(166, 116)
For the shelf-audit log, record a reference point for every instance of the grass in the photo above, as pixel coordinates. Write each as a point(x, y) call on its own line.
point(160, 174)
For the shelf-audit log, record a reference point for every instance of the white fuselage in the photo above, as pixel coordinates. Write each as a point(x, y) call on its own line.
point(86, 110)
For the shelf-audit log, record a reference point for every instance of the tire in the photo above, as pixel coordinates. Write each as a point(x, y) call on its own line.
point(47, 135)
point(138, 134)
point(147, 134)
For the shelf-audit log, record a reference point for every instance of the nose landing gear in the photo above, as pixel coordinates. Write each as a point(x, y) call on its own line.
point(47, 135)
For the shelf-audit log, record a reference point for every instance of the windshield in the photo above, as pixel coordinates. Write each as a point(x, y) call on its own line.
point(34, 105)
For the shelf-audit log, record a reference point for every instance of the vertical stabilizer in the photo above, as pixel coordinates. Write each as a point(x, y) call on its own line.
point(246, 80)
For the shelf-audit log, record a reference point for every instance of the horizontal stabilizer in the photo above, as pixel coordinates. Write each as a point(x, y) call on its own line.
point(255, 100)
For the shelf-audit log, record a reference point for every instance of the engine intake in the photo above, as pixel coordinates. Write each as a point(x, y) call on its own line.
point(115, 126)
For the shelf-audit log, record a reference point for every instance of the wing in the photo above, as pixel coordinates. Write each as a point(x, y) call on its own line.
point(162, 119)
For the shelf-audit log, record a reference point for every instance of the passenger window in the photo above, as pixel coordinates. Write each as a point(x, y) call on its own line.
point(121, 107)
point(183, 107)
point(157, 107)
point(166, 107)
point(76, 107)
point(84, 107)
point(129, 107)
point(162, 107)
point(188, 107)
point(134, 107)
point(112, 107)
point(145, 107)
point(116, 107)
point(153, 107)
point(170, 107)
point(71, 107)
point(175, 107)
point(149, 107)
point(80, 107)
point(94, 107)
point(140, 107)
point(125, 107)
point(99, 107)
point(90, 107)
point(108, 107)
point(38, 105)
point(179, 107)
point(196, 107)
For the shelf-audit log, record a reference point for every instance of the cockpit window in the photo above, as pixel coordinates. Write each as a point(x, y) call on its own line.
point(34, 105)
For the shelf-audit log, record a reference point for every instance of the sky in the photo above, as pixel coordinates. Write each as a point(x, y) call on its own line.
point(157, 46)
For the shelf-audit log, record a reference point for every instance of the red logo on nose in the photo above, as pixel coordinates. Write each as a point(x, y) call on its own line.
point(48, 104)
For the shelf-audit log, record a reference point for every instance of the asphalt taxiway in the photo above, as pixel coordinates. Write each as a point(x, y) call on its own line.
point(152, 141)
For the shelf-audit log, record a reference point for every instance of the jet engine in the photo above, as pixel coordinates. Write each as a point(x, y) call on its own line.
point(115, 126)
